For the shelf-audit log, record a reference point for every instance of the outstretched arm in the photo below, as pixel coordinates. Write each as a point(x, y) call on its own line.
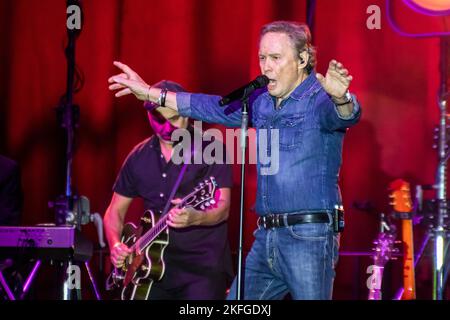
point(129, 82)
point(197, 106)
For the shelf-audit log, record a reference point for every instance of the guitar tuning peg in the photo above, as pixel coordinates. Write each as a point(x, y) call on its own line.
point(212, 201)
point(207, 204)
point(202, 207)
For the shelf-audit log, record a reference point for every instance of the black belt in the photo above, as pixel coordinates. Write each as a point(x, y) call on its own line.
point(283, 220)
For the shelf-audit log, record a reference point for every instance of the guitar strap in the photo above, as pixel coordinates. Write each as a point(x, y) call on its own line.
point(174, 189)
point(179, 179)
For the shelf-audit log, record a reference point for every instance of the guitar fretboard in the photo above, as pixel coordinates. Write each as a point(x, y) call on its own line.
point(151, 234)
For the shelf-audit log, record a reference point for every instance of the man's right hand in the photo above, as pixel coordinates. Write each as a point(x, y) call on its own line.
point(119, 253)
point(128, 82)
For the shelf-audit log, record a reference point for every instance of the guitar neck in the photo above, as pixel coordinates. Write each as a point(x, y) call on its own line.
point(146, 239)
point(159, 227)
point(408, 260)
point(151, 234)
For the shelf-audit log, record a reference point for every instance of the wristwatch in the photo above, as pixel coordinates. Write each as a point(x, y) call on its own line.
point(348, 99)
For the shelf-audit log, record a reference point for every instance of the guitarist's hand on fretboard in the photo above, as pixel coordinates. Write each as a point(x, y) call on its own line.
point(183, 217)
point(119, 252)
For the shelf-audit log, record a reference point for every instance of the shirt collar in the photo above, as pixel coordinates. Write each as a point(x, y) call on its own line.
point(308, 87)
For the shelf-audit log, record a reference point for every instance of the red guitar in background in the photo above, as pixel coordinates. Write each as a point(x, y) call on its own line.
point(401, 202)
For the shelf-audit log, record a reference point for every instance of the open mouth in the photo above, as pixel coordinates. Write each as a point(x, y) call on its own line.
point(272, 83)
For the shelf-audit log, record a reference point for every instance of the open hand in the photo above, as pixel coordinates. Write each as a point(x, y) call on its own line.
point(128, 82)
point(336, 81)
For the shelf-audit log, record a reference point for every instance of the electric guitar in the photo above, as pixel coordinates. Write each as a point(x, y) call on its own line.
point(401, 201)
point(384, 247)
point(146, 262)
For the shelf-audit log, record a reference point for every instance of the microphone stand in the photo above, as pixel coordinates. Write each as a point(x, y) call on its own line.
point(70, 208)
point(243, 145)
point(439, 232)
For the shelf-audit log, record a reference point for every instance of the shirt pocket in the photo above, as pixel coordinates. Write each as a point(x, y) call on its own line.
point(291, 132)
point(260, 121)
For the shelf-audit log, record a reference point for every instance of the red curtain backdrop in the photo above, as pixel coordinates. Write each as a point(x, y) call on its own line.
point(210, 47)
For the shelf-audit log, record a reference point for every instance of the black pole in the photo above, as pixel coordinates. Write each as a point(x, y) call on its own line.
point(68, 115)
point(310, 16)
point(68, 108)
point(243, 144)
point(439, 230)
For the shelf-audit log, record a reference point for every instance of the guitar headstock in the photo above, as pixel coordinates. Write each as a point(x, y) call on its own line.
point(384, 247)
point(202, 196)
point(400, 194)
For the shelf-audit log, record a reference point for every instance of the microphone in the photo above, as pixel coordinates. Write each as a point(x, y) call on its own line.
point(238, 94)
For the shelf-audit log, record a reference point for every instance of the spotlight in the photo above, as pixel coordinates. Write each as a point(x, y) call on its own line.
point(430, 7)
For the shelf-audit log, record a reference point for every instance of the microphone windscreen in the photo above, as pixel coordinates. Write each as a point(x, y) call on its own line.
point(261, 81)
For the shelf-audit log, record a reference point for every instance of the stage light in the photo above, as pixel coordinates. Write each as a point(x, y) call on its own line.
point(430, 7)
point(440, 9)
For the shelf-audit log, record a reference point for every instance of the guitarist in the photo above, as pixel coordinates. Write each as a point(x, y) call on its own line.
point(197, 258)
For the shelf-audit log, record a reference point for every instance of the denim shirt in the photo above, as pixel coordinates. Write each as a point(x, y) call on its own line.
point(311, 134)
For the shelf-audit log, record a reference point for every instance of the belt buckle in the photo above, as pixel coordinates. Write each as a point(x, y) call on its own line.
point(277, 221)
point(274, 220)
point(262, 222)
point(267, 221)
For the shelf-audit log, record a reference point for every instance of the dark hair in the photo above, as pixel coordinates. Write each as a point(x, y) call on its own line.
point(300, 36)
point(169, 85)
point(163, 84)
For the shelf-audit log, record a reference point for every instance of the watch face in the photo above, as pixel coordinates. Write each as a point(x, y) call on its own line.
point(348, 96)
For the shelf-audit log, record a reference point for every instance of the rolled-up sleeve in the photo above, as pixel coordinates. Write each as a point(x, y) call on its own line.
point(355, 112)
point(330, 117)
point(184, 104)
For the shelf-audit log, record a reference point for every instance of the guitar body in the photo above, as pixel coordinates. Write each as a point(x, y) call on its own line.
point(147, 243)
point(375, 288)
point(141, 270)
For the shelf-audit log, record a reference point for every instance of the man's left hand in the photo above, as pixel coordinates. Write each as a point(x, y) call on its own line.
point(336, 81)
point(183, 217)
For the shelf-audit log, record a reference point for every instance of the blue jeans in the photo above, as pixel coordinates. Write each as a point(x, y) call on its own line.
point(298, 259)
